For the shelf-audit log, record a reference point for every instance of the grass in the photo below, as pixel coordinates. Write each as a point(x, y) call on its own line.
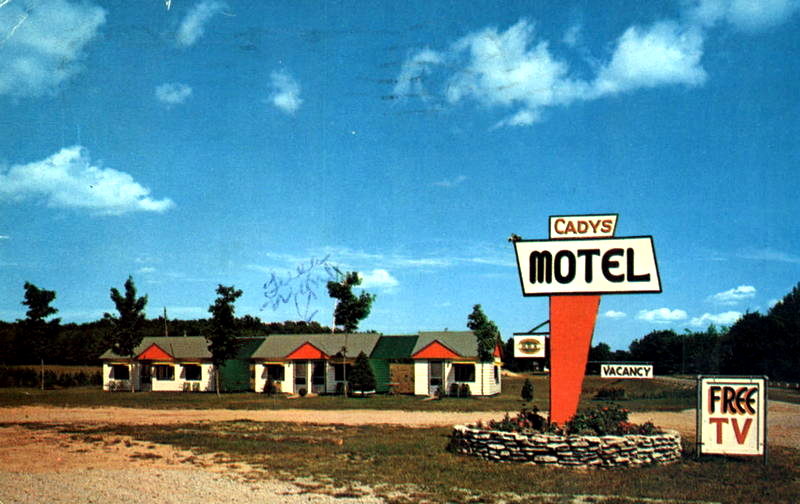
point(412, 465)
point(640, 395)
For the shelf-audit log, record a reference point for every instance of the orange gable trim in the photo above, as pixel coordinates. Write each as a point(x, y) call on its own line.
point(436, 350)
point(307, 351)
point(155, 352)
point(498, 352)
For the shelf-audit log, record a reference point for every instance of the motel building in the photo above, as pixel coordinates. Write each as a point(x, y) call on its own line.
point(319, 363)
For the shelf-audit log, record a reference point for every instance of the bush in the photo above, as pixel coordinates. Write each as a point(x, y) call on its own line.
point(464, 390)
point(302, 392)
point(611, 420)
point(269, 387)
point(362, 379)
point(453, 390)
point(610, 394)
point(438, 393)
point(527, 391)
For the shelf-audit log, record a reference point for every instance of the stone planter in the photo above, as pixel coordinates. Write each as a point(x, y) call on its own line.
point(567, 451)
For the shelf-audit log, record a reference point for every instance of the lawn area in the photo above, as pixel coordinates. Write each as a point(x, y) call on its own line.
point(639, 395)
point(415, 460)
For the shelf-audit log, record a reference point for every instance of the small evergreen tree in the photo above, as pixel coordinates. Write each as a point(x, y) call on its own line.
point(39, 332)
point(486, 332)
point(527, 391)
point(362, 378)
point(222, 338)
point(126, 333)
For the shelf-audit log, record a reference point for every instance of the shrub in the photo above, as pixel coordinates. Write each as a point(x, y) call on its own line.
point(362, 379)
point(438, 393)
point(453, 390)
point(527, 391)
point(611, 420)
point(269, 387)
point(302, 392)
point(464, 390)
point(610, 394)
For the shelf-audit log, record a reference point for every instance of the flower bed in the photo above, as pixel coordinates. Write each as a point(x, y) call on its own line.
point(599, 438)
point(629, 450)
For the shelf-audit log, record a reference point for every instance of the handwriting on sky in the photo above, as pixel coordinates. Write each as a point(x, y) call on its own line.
point(300, 286)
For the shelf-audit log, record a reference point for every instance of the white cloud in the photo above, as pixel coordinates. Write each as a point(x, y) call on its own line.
point(768, 254)
point(68, 179)
point(662, 315)
point(451, 182)
point(663, 54)
point(734, 296)
point(173, 93)
point(378, 279)
point(146, 270)
point(726, 319)
point(747, 15)
point(285, 92)
point(194, 24)
point(572, 37)
point(5, 237)
point(43, 44)
point(412, 76)
point(613, 314)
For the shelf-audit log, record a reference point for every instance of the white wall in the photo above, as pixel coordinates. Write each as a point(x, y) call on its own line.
point(205, 384)
point(285, 385)
point(484, 375)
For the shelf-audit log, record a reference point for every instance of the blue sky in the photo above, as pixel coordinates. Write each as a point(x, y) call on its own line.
point(192, 143)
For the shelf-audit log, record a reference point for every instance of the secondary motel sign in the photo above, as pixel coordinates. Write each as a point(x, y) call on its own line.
point(614, 370)
point(732, 415)
point(581, 260)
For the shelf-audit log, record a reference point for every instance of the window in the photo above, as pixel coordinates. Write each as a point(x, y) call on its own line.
point(339, 371)
point(465, 372)
point(300, 372)
point(497, 374)
point(192, 372)
point(164, 372)
point(120, 372)
point(275, 372)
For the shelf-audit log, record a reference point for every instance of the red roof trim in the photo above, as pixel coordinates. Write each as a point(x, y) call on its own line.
point(307, 351)
point(436, 350)
point(155, 352)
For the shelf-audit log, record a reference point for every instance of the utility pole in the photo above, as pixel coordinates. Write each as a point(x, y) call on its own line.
point(166, 331)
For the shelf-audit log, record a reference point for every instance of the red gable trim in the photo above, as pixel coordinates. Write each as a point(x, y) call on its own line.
point(498, 351)
point(307, 351)
point(155, 352)
point(436, 350)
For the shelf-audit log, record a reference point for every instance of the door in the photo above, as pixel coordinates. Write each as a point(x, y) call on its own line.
point(300, 376)
point(145, 377)
point(318, 377)
point(436, 377)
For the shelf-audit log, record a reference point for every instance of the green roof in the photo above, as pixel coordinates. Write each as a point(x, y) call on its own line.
point(185, 347)
point(278, 346)
point(394, 347)
point(464, 343)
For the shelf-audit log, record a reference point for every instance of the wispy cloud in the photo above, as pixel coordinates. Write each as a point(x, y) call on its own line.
point(285, 92)
point(146, 270)
point(726, 318)
point(734, 296)
point(42, 45)
point(768, 254)
point(5, 237)
point(173, 93)
point(452, 182)
point(613, 314)
point(194, 24)
point(378, 279)
point(515, 69)
point(69, 179)
point(662, 315)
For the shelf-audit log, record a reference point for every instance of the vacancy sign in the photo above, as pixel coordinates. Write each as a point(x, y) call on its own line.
point(587, 266)
point(732, 415)
point(638, 371)
point(529, 347)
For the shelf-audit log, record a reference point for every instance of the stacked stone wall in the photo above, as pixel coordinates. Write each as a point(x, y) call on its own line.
point(567, 451)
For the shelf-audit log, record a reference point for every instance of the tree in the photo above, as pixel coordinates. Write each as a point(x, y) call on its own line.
point(350, 309)
point(662, 348)
point(39, 332)
point(126, 332)
point(486, 333)
point(527, 391)
point(362, 379)
point(223, 335)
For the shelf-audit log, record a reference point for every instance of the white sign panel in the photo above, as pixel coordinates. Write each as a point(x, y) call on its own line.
point(732, 415)
point(582, 226)
point(594, 266)
point(615, 370)
point(529, 347)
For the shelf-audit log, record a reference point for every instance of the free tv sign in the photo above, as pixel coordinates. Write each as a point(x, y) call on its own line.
point(732, 415)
